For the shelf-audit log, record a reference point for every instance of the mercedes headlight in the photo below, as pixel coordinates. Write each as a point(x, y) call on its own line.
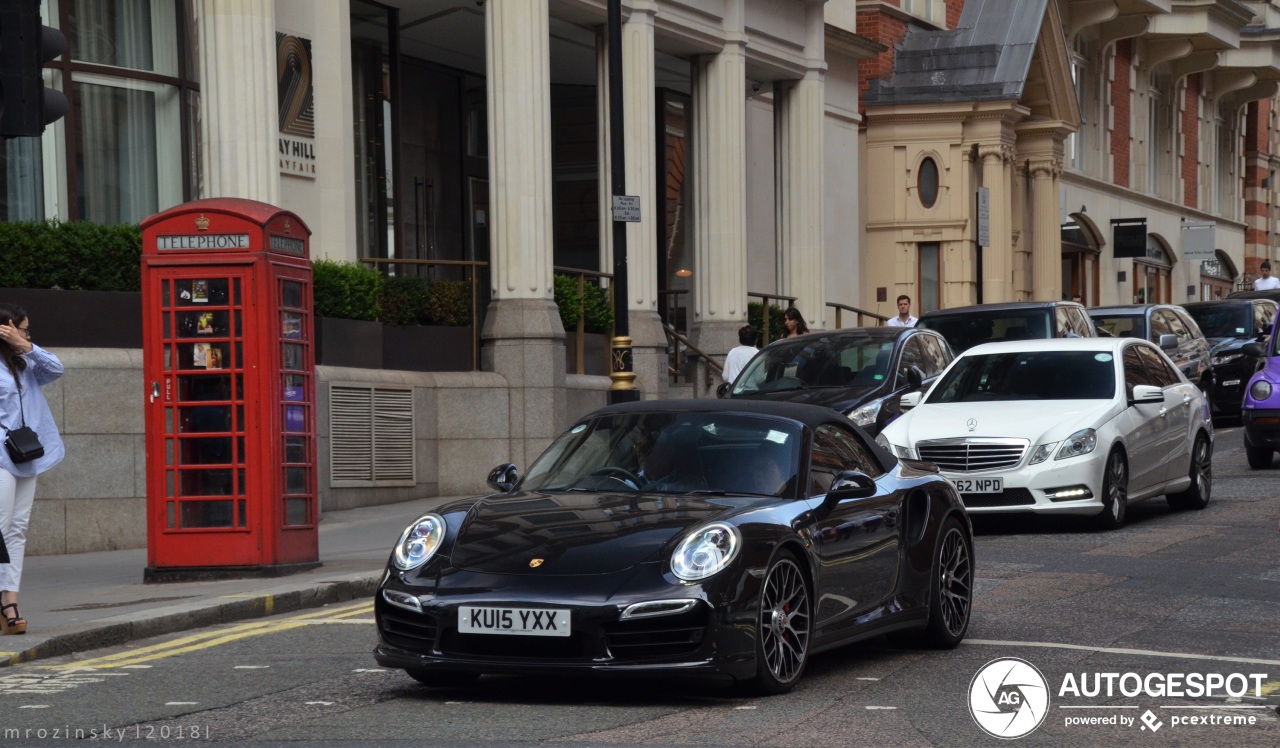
point(1260, 390)
point(706, 551)
point(419, 542)
point(902, 453)
point(1227, 358)
point(1042, 453)
point(866, 415)
point(1080, 443)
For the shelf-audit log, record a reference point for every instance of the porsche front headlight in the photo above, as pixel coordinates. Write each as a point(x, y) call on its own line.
point(1082, 442)
point(1260, 390)
point(419, 541)
point(706, 551)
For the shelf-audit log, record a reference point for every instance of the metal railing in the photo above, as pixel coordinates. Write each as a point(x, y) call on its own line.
point(469, 267)
point(579, 348)
point(680, 348)
point(859, 316)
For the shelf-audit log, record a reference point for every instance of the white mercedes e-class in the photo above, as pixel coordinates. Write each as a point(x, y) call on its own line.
point(1063, 426)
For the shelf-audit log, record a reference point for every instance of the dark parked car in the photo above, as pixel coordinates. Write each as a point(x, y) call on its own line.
point(861, 372)
point(967, 326)
point(1230, 326)
point(700, 538)
point(1170, 327)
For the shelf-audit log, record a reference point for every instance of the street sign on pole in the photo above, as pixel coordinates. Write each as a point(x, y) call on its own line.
point(626, 208)
point(984, 217)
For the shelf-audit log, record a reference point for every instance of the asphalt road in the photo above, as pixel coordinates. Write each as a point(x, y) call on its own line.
point(1179, 601)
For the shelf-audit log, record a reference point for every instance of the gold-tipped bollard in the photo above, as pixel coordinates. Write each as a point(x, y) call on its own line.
point(623, 389)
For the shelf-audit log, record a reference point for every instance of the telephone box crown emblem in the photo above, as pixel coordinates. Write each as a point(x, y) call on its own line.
point(202, 223)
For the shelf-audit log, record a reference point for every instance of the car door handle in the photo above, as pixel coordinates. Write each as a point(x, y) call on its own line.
point(891, 518)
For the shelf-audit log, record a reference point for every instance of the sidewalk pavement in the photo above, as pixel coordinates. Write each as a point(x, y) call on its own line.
point(84, 601)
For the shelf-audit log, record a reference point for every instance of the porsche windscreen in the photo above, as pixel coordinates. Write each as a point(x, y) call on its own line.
point(823, 362)
point(1037, 375)
point(675, 453)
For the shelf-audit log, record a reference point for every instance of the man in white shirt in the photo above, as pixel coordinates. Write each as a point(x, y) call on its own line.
point(741, 354)
point(1267, 282)
point(904, 318)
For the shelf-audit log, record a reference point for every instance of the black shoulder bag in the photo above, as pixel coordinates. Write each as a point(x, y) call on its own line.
point(23, 443)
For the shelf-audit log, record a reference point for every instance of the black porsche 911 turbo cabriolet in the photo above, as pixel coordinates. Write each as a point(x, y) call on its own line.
point(721, 539)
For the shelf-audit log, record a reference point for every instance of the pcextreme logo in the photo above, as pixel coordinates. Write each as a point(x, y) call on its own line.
point(1009, 698)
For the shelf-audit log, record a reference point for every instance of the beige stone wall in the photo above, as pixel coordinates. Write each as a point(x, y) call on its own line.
point(96, 499)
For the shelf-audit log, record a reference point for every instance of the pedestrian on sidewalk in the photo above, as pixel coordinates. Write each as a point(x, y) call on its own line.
point(1267, 281)
point(904, 318)
point(27, 367)
point(793, 320)
point(740, 354)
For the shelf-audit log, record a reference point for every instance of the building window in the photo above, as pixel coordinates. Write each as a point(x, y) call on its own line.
point(930, 280)
point(125, 149)
point(927, 182)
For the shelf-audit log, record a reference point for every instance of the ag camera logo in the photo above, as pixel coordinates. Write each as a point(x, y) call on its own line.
point(1009, 698)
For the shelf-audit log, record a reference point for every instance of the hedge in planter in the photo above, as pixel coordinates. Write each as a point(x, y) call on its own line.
point(346, 290)
point(76, 255)
point(594, 304)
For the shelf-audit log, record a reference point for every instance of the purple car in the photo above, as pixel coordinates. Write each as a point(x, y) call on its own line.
point(1260, 410)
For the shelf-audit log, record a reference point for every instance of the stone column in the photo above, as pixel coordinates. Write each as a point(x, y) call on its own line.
point(720, 200)
point(238, 106)
point(523, 339)
point(1046, 232)
point(997, 259)
point(648, 341)
point(799, 112)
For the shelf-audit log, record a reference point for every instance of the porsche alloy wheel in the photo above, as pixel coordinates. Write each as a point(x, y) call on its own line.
point(954, 580)
point(1115, 492)
point(1197, 494)
point(784, 626)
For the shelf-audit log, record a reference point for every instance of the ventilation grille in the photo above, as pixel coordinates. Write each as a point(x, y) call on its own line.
point(973, 455)
point(371, 436)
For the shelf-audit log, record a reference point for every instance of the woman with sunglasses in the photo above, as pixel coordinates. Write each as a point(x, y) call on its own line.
point(26, 368)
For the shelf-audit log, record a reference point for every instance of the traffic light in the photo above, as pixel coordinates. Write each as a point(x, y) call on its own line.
point(26, 44)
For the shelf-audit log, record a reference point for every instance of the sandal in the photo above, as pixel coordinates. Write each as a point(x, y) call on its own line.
point(12, 624)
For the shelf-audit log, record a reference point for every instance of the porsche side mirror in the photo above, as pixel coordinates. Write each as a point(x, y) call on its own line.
point(909, 400)
point(504, 477)
point(1168, 342)
point(850, 484)
point(1253, 349)
point(915, 377)
point(722, 390)
point(1147, 393)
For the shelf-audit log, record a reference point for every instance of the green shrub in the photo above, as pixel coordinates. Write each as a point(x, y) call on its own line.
point(449, 303)
point(755, 318)
point(77, 255)
point(346, 290)
point(595, 304)
point(404, 300)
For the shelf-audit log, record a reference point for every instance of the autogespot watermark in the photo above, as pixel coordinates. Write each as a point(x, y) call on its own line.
point(1010, 698)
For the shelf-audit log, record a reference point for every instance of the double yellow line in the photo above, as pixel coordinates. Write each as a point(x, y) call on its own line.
point(209, 639)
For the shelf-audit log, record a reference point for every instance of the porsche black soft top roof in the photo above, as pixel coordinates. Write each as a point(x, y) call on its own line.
point(811, 416)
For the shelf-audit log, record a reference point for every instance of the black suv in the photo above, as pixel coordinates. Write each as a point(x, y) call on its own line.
point(1168, 326)
point(967, 326)
point(860, 371)
point(1230, 325)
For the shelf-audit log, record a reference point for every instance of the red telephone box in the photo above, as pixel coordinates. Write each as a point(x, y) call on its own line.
point(230, 392)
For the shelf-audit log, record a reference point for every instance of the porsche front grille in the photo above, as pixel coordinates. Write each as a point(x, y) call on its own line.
point(970, 455)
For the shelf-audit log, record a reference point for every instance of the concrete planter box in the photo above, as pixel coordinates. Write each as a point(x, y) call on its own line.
point(427, 348)
point(80, 319)
point(351, 343)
